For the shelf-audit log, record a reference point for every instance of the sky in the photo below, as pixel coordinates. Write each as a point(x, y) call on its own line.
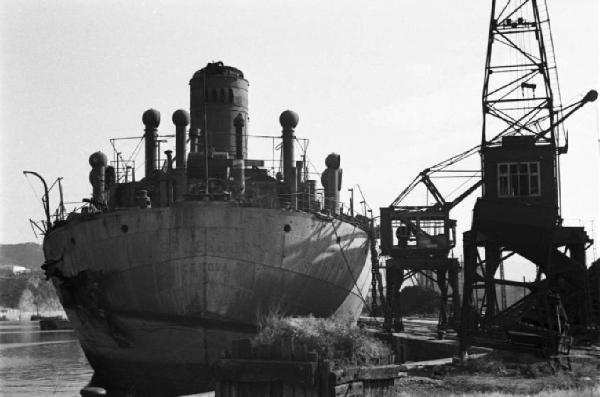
point(393, 86)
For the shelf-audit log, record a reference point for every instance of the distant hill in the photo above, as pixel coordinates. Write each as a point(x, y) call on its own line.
point(29, 255)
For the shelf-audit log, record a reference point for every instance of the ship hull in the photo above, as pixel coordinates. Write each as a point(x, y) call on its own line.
point(157, 295)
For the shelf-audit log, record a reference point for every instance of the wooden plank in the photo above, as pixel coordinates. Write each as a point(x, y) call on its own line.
point(262, 351)
point(371, 388)
point(252, 389)
point(379, 372)
point(241, 348)
point(312, 356)
point(429, 363)
point(326, 379)
point(299, 391)
point(220, 390)
point(348, 374)
point(276, 389)
point(287, 348)
point(312, 392)
point(267, 371)
point(275, 351)
point(368, 388)
point(345, 375)
point(226, 389)
point(300, 352)
point(354, 389)
point(288, 390)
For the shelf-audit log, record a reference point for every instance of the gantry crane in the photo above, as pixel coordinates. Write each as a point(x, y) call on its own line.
point(419, 239)
point(519, 214)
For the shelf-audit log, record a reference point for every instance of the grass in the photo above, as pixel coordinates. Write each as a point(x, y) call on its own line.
point(503, 373)
point(337, 339)
point(497, 374)
point(583, 392)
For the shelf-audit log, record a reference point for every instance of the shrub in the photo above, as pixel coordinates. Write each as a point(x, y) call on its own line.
point(334, 338)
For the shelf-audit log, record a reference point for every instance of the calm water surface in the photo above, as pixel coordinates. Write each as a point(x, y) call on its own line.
point(40, 363)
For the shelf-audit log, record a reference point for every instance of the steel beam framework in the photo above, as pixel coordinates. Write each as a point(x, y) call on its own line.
point(521, 98)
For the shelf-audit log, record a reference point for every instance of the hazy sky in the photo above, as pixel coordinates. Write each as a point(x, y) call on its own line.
point(393, 86)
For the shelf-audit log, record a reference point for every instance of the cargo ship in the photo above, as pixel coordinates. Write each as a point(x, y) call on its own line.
point(158, 275)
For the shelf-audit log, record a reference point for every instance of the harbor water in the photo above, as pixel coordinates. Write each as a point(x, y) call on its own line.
point(40, 363)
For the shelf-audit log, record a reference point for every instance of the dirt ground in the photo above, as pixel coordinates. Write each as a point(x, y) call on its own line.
point(507, 374)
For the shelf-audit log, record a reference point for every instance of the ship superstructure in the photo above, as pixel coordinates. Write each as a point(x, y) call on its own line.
point(158, 275)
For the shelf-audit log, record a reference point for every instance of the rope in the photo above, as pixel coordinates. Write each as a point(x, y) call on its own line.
point(35, 193)
point(462, 184)
point(135, 151)
point(355, 281)
point(363, 197)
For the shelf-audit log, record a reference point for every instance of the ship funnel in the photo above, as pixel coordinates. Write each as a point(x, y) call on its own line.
point(181, 119)
point(218, 93)
point(289, 120)
point(151, 120)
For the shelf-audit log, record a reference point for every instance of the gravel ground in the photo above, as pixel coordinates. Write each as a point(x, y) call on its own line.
point(506, 374)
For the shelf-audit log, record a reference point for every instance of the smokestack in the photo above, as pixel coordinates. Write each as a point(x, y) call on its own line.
point(151, 119)
point(289, 120)
point(181, 119)
point(218, 93)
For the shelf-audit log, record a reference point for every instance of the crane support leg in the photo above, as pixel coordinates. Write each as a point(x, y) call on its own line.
point(443, 287)
point(453, 282)
point(493, 257)
point(394, 275)
point(468, 315)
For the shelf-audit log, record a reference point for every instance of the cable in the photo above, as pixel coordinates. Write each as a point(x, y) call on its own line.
point(339, 243)
point(462, 184)
point(363, 197)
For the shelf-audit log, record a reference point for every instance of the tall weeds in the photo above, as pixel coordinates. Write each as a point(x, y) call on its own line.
point(335, 338)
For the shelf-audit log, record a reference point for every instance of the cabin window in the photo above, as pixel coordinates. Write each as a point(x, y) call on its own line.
point(519, 179)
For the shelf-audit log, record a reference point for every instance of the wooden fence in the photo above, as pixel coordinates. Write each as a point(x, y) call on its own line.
point(288, 369)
